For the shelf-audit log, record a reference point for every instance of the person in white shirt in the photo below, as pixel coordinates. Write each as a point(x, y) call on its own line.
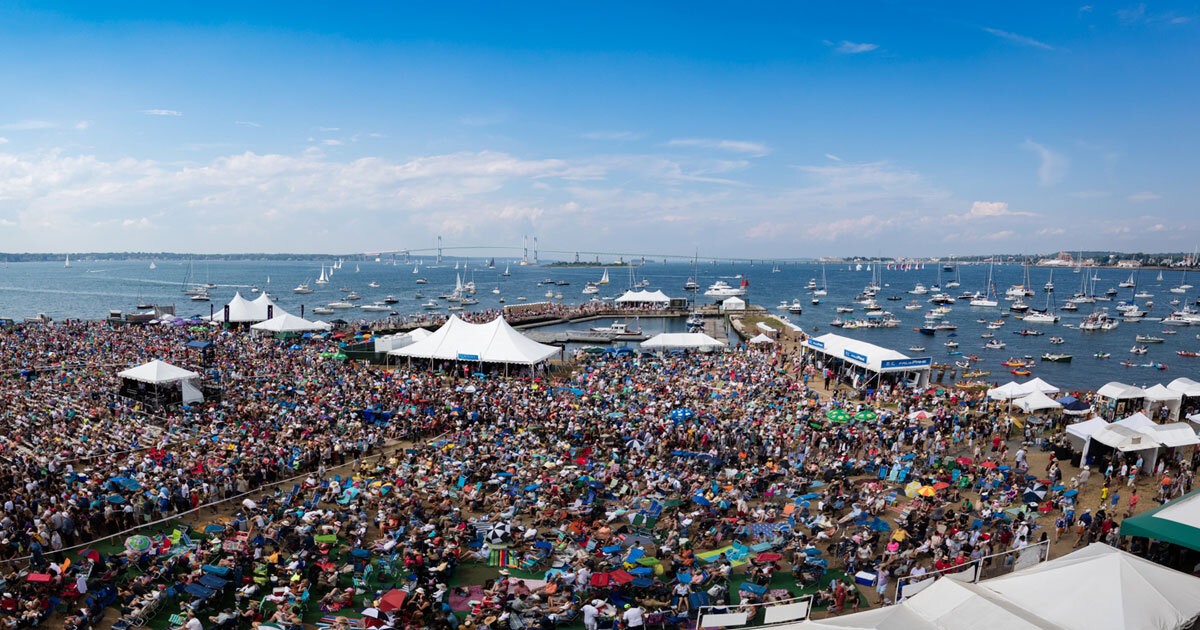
point(634, 617)
point(590, 612)
point(193, 623)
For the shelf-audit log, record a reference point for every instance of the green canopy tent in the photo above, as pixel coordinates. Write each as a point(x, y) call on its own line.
point(1175, 522)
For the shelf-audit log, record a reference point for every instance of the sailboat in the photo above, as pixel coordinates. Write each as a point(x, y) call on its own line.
point(1159, 278)
point(986, 300)
point(492, 264)
point(68, 263)
point(776, 269)
point(153, 266)
point(604, 278)
point(323, 279)
point(355, 267)
point(1128, 284)
point(957, 281)
point(415, 271)
point(824, 290)
point(506, 273)
point(1183, 286)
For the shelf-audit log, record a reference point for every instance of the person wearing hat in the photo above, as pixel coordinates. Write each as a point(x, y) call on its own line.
point(591, 613)
point(634, 616)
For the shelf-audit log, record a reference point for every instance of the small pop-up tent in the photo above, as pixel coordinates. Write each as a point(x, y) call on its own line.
point(160, 383)
point(682, 341)
point(1177, 522)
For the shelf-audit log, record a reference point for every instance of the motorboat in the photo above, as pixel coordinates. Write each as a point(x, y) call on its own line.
point(378, 307)
point(1102, 355)
point(302, 288)
point(340, 305)
point(203, 296)
point(616, 328)
point(1056, 358)
point(1037, 317)
point(720, 288)
point(844, 309)
point(795, 308)
point(591, 288)
point(390, 300)
point(994, 344)
point(430, 305)
point(422, 281)
point(1057, 341)
point(344, 289)
point(1139, 350)
point(1148, 339)
point(691, 285)
point(351, 296)
point(919, 289)
point(373, 285)
point(323, 310)
point(916, 348)
point(1098, 321)
point(951, 344)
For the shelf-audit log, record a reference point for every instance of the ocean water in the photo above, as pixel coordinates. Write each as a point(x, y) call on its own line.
point(89, 289)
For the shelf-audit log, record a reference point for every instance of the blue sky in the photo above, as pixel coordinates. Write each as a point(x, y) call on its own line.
point(755, 129)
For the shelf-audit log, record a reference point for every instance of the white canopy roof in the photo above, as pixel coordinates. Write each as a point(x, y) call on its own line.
point(642, 296)
point(1175, 434)
point(1185, 386)
point(868, 355)
point(1037, 401)
point(493, 342)
point(682, 341)
point(733, 303)
point(286, 322)
point(1120, 391)
point(1161, 393)
point(1007, 391)
point(1038, 385)
point(1100, 587)
point(242, 310)
point(1095, 588)
point(1124, 439)
point(1084, 430)
point(157, 372)
point(761, 338)
point(1136, 421)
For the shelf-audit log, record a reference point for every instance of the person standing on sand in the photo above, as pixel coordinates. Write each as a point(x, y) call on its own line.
point(1084, 475)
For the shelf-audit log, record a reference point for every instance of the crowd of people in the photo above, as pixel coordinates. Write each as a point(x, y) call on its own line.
point(619, 489)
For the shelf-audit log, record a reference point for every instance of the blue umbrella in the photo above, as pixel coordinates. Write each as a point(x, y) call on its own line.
point(702, 501)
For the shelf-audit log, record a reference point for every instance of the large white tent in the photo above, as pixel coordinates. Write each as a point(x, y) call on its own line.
point(157, 372)
point(286, 322)
point(242, 311)
point(1037, 401)
point(493, 342)
point(1160, 395)
point(643, 297)
point(761, 338)
point(1007, 391)
point(682, 341)
point(1185, 386)
point(734, 303)
point(1120, 391)
point(1037, 385)
point(1098, 587)
point(1080, 433)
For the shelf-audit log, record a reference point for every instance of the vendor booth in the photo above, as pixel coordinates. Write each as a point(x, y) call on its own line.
point(160, 384)
point(866, 364)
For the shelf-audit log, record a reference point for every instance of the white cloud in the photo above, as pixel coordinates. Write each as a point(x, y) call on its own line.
point(1144, 196)
point(329, 128)
point(83, 124)
point(1051, 232)
point(999, 236)
point(833, 157)
point(1087, 8)
point(28, 125)
point(1090, 194)
point(735, 146)
point(3, 140)
point(139, 224)
point(868, 225)
point(246, 123)
point(331, 142)
point(610, 135)
point(1157, 227)
point(1053, 165)
point(989, 210)
point(161, 112)
point(1020, 39)
point(854, 48)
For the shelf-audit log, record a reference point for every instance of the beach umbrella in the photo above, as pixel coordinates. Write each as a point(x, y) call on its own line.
point(866, 415)
point(988, 464)
point(498, 534)
point(373, 613)
point(90, 554)
point(137, 543)
point(837, 415)
point(963, 461)
point(1004, 468)
point(1034, 493)
point(392, 600)
point(911, 489)
point(1070, 493)
point(635, 444)
point(926, 491)
point(920, 414)
point(941, 485)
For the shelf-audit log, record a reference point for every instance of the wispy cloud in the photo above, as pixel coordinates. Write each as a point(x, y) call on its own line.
point(610, 135)
point(28, 125)
point(83, 124)
point(1020, 39)
point(161, 112)
point(1087, 8)
point(852, 48)
point(833, 157)
point(1053, 165)
point(1090, 194)
point(329, 128)
point(1145, 195)
point(736, 146)
point(246, 123)
point(1051, 232)
point(999, 236)
point(1157, 227)
point(483, 120)
point(989, 210)
point(1138, 14)
point(331, 142)
point(3, 140)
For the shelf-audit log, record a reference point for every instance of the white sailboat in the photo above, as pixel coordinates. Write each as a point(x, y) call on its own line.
point(1159, 278)
point(153, 266)
point(355, 267)
point(824, 290)
point(986, 300)
point(68, 262)
point(415, 272)
point(506, 273)
point(604, 278)
point(323, 279)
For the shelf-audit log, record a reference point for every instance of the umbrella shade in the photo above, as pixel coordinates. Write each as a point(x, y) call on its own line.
point(941, 485)
point(137, 543)
point(964, 461)
point(1070, 493)
point(392, 600)
point(90, 554)
point(926, 491)
point(373, 613)
point(866, 415)
point(837, 415)
point(919, 415)
point(988, 464)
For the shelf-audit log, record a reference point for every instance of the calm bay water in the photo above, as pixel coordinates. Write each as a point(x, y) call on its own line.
point(89, 289)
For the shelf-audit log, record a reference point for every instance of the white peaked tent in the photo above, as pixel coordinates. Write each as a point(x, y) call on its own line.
point(1038, 385)
point(1080, 433)
point(682, 341)
point(243, 311)
point(1037, 401)
point(157, 372)
point(761, 338)
point(287, 322)
point(493, 342)
point(1160, 395)
point(163, 377)
point(1100, 587)
point(1185, 386)
point(733, 304)
point(643, 297)
point(1007, 391)
point(1095, 588)
point(1120, 391)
